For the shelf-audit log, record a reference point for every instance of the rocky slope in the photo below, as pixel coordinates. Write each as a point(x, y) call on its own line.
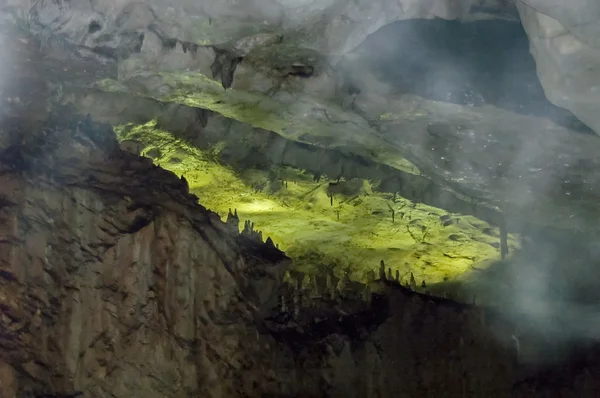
point(115, 280)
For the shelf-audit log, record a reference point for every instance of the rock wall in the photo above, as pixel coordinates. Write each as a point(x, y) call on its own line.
point(394, 346)
point(565, 42)
point(242, 146)
point(412, 345)
point(332, 26)
point(115, 282)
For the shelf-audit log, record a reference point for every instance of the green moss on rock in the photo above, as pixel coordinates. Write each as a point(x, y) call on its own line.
point(351, 233)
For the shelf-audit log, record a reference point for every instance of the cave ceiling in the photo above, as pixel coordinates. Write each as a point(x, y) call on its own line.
point(396, 82)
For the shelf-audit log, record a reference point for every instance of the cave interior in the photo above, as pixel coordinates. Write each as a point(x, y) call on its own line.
point(258, 217)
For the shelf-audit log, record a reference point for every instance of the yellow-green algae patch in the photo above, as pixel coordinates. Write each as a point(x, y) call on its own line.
point(303, 120)
point(352, 235)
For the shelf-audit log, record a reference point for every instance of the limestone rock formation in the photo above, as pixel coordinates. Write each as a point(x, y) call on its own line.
point(114, 281)
point(287, 68)
point(330, 26)
point(565, 41)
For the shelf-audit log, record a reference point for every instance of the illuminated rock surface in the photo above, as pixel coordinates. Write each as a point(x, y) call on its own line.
point(291, 74)
point(115, 282)
point(372, 165)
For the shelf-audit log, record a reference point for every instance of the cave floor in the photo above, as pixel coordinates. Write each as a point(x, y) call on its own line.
point(352, 235)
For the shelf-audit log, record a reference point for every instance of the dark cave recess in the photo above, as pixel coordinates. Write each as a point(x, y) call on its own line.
point(471, 63)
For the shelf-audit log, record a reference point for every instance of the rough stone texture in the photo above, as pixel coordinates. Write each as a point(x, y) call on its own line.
point(241, 146)
point(331, 26)
point(516, 168)
point(401, 357)
point(278, 81)
point(115, 281)
point(565, 41)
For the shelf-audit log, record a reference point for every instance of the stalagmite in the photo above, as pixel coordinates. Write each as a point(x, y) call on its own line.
point(413, 282)
point(299, 279)
point(233, 221)
point(334, 289)
point(382, 270)
point(371, 276)
point(296, 303)
point(186, 186)
point(366, 294)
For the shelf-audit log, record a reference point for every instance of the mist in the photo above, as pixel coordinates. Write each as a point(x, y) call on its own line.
point(482, 69)
point(550, 288)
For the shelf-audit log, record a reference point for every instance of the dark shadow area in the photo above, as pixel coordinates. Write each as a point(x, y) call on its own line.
point(472, 64)
point(550, 284)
